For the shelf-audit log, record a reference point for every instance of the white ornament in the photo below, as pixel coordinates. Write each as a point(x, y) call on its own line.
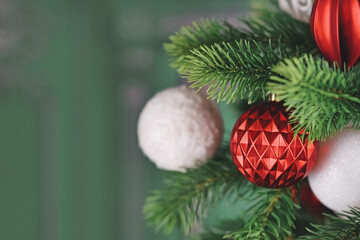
point(335, 178)
point(178, 128)
point(299, 9)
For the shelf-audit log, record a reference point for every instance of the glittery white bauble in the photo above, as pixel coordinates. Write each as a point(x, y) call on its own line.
point(178, 129)
point(335, 178)
point(299, 9)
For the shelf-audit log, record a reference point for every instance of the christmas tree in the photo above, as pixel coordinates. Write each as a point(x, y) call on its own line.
point(317, 97)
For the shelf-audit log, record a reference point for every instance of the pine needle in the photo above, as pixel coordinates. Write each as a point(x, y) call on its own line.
point(344, 226)
point(231, 72)
point(273, 218)
point(322, 99)
point(266, 26)
point(187, 196)
point(222, 228)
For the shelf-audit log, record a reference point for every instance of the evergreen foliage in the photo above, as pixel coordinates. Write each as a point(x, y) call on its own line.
point(272, 53)
point(273, 217)
point(220, 230)
point(344, 226)
point(267, 26)
point(235, 62)
point(187, 196)
point(232, 71)
point(322, 99)
point(206, 32)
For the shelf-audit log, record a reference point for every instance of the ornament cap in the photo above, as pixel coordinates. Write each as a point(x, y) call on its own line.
point(272, 97)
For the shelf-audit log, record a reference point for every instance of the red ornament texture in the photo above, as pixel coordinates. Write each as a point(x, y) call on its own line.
point(265, 150)
point(335, 25)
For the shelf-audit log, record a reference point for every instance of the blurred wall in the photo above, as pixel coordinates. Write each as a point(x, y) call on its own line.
point(74, 76)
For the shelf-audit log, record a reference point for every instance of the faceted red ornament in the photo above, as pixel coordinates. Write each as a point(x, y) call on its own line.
point(265, 151)
point(336, 28)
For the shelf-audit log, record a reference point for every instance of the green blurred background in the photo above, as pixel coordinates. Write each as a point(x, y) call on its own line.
point(74, 77)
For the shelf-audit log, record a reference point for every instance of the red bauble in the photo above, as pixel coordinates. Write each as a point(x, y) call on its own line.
point(310, 202)
point(265, 150)
point(336, 27)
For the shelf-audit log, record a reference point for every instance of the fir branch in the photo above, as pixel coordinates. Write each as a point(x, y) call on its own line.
point(224, 227)
point(267, 26)
point(280, 26)
point(344, 226)
point(230, 72)
point(188, 195)
point(322, 99)
point(205, 32)
point(273, 218)
point(236, 62)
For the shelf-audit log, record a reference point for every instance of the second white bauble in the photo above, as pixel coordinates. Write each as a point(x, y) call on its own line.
point(178, 129)
point(299, 9)
point(335, 178)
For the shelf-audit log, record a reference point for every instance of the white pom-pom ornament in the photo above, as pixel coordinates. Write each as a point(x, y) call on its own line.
point(178, 129)
point(299, 9)
point(335, 178)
